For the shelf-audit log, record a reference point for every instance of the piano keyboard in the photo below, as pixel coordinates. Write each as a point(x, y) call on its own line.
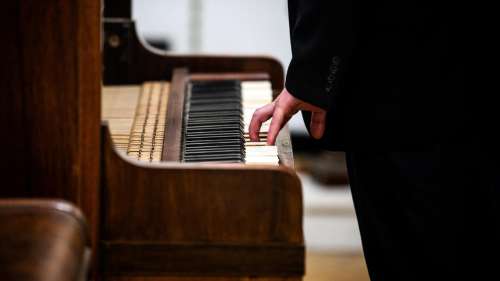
point(217, 115)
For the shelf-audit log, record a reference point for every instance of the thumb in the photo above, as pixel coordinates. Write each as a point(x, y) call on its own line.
point(318, 120)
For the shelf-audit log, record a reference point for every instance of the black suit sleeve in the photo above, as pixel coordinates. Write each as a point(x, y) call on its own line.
point(321, 34)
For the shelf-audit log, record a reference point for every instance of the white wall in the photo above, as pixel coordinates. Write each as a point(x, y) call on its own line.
point(227, 26)
point(163, 18)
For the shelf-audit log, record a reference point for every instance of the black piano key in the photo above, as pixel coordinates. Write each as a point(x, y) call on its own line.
point(201, 90)
point(222, 149)
point(211, 146)
point(214, 122)
point(217, 84)
point(195, 143)
point(213, 136)
point(207, 109)
point(194, 123)
point(213, 153)
point(222, 133)
point(220, 114)
point(235, 157)
point(212, 126)
point(198, 140)
point(233, 102)
point(218, 151)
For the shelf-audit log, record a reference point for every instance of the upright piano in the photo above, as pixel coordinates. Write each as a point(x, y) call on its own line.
point(185, 194)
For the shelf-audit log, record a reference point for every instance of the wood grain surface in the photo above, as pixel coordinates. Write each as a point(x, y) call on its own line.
point(172, 145)
point(50, 101)
point(217, 214)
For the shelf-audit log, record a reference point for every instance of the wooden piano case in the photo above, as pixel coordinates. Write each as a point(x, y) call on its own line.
point(199, 220)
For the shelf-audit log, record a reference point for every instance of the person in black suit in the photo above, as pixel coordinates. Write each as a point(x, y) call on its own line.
point(384, 81)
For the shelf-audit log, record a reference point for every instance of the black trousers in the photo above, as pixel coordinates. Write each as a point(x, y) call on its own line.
point(417, 214)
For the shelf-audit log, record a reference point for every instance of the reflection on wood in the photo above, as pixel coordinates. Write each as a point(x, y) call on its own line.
point(42, 240)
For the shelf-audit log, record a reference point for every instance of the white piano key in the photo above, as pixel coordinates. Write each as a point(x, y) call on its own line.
point(261, 150)
point(269, 160)
point(256, 94)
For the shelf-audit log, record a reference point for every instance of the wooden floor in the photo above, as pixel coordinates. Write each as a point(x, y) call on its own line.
point(335, 267)
point(319, 267)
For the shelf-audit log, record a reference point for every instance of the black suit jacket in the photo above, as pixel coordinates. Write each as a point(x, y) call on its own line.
point(390, 73)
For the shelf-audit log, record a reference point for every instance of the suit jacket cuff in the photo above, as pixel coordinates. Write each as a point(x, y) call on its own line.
point(313, 85)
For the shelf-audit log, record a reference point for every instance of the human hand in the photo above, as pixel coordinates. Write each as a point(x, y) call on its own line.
point(281, 110)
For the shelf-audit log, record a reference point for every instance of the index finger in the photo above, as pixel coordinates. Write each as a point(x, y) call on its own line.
point(260, 116)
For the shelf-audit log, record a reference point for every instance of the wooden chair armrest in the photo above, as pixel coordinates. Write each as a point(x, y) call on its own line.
point(42, 240)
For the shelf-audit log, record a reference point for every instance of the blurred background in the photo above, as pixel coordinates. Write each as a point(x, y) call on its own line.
point(260, 27)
